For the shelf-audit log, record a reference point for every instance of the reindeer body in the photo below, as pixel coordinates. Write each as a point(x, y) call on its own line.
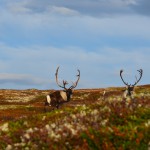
point(129, 92)
point(57, 98)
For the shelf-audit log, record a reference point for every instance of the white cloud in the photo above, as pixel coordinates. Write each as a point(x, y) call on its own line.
point(88, 7)
point(18, 7)
point(97, 68)
point(41, 24)
point(22, 78)
point(62, 11)
point(21, 81)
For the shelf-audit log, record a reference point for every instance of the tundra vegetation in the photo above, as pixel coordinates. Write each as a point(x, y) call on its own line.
point(87, 122)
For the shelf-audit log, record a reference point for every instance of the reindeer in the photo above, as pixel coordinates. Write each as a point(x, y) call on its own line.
point(130, 87)
point(57, 98)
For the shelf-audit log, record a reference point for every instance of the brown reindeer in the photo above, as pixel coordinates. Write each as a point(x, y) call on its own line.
point(130, 87)
point(57, 98)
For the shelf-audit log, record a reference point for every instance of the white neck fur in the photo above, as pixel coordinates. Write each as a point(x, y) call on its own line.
point(63, 95)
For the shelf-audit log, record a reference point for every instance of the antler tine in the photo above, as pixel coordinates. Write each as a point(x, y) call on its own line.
point(64, 82)
point(141, 73)
point(121, 71)
point(75, 84)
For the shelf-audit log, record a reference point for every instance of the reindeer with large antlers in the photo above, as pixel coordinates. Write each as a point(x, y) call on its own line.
point(59, 97)
point(130, 87)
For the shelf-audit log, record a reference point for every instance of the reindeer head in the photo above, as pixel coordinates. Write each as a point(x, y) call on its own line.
point(68, 91)
point(130, 87)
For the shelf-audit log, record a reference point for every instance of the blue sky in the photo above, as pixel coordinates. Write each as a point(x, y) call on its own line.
point(99, 37)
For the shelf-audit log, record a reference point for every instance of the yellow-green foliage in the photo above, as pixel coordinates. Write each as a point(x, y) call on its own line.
point(86, 123)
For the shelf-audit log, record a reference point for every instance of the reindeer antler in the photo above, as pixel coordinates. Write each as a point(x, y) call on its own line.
point(121, 71)
point(137, 80)
point(75, 84)
point(64, 82)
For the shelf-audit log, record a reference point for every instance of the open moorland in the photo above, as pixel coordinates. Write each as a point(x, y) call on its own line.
point(89, 121)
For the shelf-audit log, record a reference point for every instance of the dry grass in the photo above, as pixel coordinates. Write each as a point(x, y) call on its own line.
point(84, 119)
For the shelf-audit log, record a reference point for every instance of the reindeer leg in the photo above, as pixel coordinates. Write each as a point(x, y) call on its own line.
point(57, 106)
point(45, 107)
point(134, 102)
point(45, 110)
